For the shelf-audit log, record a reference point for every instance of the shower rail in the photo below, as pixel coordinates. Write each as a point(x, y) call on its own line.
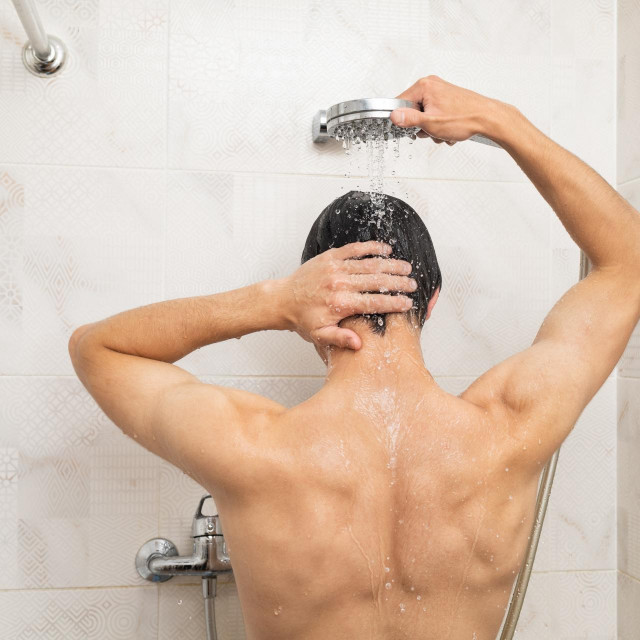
point(542, 501)
point(43, 55)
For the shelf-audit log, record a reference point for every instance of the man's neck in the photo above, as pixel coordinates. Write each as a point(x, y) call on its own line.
point(382, 358)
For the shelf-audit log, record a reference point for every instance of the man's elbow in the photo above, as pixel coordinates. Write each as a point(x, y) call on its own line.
point(76, 338)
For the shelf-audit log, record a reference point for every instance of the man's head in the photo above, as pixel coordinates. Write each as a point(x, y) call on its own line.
point(354, 217)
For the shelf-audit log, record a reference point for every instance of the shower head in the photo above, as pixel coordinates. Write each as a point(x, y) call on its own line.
point(367, 119)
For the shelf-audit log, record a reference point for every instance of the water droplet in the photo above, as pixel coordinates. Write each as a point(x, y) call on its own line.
point(418, 597)
point(386, 569)
point(179, 602)
point(387, 585)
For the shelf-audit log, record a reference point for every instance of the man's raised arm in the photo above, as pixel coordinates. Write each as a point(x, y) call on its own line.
point(585, 333)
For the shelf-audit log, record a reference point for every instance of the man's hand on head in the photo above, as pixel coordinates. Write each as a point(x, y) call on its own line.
point(340, 283)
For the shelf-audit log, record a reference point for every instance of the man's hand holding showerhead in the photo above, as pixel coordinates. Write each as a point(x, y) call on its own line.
point(449, 113)
point(355, 279)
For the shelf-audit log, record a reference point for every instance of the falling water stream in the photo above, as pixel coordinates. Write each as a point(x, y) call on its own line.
point(375, 135)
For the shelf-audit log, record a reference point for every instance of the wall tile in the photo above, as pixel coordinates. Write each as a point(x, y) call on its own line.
point(108, 105)
point(182, 612)
point(569, 605)
point(628, 607)
point(504, 27)
point(242, 47)
point(117, 614)
point(81, 244)
point(628, 476)
point(74, 486)
point(579, 530)
point(583, 29)
point(628, 55)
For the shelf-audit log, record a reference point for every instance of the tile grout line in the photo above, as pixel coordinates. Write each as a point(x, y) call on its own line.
point(88, 588)
point(191, 584)
point(256, 173)
point(628, 575)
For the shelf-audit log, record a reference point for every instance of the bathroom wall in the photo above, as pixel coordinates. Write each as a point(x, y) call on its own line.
point(628, 179)
point(173, 158)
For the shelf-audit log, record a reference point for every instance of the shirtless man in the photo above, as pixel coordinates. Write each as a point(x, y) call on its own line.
point(382, 507)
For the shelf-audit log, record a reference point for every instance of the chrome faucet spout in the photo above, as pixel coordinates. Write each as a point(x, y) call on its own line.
point(158, 559)
point(195, 564)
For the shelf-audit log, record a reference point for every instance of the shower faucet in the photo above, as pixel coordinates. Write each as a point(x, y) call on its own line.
point(158, 559)
point(367, 116)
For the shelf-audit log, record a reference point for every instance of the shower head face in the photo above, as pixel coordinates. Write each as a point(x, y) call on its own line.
point(368, 119)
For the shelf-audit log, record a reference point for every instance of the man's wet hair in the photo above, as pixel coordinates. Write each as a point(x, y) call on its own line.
point(356, 217)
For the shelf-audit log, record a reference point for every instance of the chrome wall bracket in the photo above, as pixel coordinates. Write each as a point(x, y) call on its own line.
point(43, 55)
point(49, 66)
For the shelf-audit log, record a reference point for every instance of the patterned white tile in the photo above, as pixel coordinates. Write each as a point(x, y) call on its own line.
point(81, 489)
point(628, 476)
point(8, 513)
point(628, 607)
point(568, 606)
point(628, 55)
point(108, 105)
point(504, 27)
point(81, 244)
point(583, 29)
point(181, 609)
point(117, 614)
point(583, 93)
point(579, 530)
point(242, 46)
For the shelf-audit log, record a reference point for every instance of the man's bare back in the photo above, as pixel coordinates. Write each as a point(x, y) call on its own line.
point(389, 514)
point(381, 469)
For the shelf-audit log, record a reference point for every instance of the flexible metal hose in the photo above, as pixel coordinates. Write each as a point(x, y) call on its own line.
point(209, 586)
point(544, 491)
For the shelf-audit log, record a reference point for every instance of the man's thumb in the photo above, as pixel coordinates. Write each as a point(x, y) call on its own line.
point(407, 117)
point(336, 336)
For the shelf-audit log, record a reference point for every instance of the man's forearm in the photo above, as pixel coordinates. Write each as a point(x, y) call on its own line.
point(599, 220)
point(170, 330)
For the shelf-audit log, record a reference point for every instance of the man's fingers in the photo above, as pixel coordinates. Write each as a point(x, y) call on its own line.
point(382, 282)
point(414, 93)
point(378, 265)
point(380, 303)
point(336, 336)
point(407, 117)
point(359, 249)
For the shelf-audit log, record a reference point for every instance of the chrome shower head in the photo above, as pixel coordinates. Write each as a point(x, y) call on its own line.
point(362, 120)
point(367, 119)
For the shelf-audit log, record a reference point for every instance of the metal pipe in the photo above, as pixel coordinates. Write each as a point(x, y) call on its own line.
point(33, 26)
point(42, 55)
point(542, 501)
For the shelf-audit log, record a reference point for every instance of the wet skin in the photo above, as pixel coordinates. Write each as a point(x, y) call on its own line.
point(382, 507)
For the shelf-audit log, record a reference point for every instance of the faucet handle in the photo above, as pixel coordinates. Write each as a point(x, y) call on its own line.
point(205, 525)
